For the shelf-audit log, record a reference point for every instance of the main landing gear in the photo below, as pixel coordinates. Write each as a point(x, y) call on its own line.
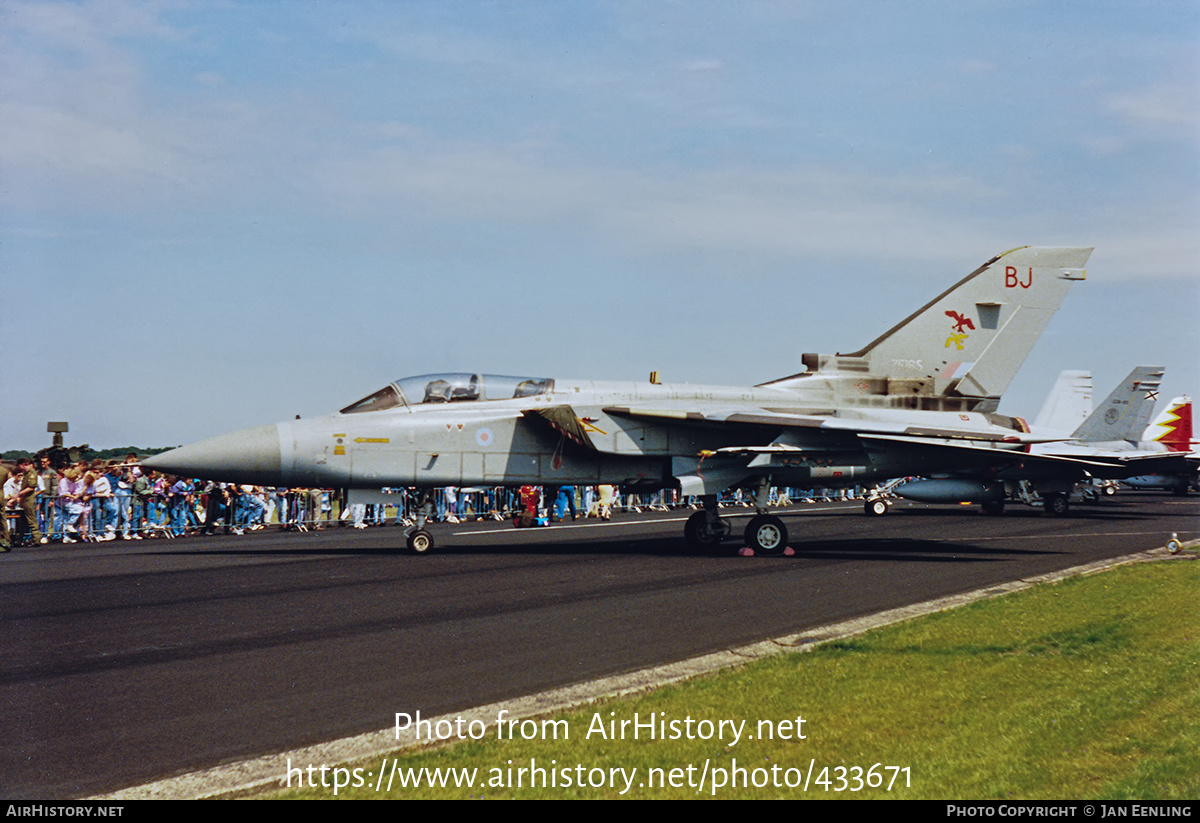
point(765, 533)
point(1056, 503)
point(706, 528)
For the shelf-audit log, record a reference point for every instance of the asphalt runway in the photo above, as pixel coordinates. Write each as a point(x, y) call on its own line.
point(125, 662)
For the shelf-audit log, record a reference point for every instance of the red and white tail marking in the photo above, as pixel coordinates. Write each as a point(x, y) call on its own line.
point(1173, 426)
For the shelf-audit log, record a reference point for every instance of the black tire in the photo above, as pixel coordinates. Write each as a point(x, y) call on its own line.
point(420, 542)
point(700, 534)
point(876, 507)
point(993, 507)
point(1057, 504)
point(767, 535)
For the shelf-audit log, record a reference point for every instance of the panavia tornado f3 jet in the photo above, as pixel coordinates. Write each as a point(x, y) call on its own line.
point(919, 400)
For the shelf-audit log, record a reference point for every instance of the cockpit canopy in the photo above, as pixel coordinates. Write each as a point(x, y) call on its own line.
point(455, 387)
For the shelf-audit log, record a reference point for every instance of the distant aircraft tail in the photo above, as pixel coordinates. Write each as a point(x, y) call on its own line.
point(1123, 414)
point(962, 349)
point(1068, 404)
point(1173, 426)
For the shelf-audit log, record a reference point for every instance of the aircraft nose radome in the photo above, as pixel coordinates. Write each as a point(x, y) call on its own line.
point(247, 456)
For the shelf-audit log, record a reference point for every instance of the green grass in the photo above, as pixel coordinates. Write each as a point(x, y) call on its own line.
point(1085, 689)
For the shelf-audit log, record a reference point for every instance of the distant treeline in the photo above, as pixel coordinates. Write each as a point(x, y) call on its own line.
point(86, 452)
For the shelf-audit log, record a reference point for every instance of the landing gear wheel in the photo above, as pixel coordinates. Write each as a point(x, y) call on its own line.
point(767, 535)
point(1057, 504)
point(420, 542)
point(1109, 491)
point(876, 507)
point(993, 507)
point(701, 534)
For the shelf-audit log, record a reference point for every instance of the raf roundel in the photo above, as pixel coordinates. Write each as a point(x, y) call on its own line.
point(484, 437)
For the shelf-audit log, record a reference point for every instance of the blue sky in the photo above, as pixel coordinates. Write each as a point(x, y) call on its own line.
point(216, 215)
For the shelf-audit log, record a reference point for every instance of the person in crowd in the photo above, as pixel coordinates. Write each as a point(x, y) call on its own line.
point(565, 502)
point(27, 501)
point(316, 500)
point(104, 507)
point(48, 499)
point(140, 514)
point(607, 496)
point(71, 492)
point(214, 506)
point(178, 494)
point(5, 539)
point(121, 477)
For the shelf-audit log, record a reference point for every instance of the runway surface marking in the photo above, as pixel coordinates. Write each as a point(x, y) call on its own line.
point(1068, 534)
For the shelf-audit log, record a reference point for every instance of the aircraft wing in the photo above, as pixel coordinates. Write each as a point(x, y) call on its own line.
point(1017, 462)
point(827, 422)
point(1162, 461)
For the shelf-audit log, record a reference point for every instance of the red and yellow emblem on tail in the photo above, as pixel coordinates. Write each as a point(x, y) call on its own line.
point(961, 324)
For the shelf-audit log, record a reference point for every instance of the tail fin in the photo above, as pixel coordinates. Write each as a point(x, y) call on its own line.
point(1123, 414)
point(971, 339)
point(1068, 404)
point(1173, 426)
point(961, 349)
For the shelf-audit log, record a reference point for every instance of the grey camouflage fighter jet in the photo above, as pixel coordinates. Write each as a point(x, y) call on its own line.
point(1105, 446)
point(919, 399)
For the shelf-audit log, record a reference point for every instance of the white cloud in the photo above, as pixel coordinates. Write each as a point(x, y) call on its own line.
point(1169, 110)
point(745, 210)
point(87, 27)
point(1105, 145)
point(96, 122)
point(978, 67)
point(59, 140)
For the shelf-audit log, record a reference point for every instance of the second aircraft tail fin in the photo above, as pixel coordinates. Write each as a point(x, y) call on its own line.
point(1123, 414)
point(1068, 404)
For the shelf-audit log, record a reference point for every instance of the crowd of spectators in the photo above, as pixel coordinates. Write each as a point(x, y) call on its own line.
point(116, 499)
